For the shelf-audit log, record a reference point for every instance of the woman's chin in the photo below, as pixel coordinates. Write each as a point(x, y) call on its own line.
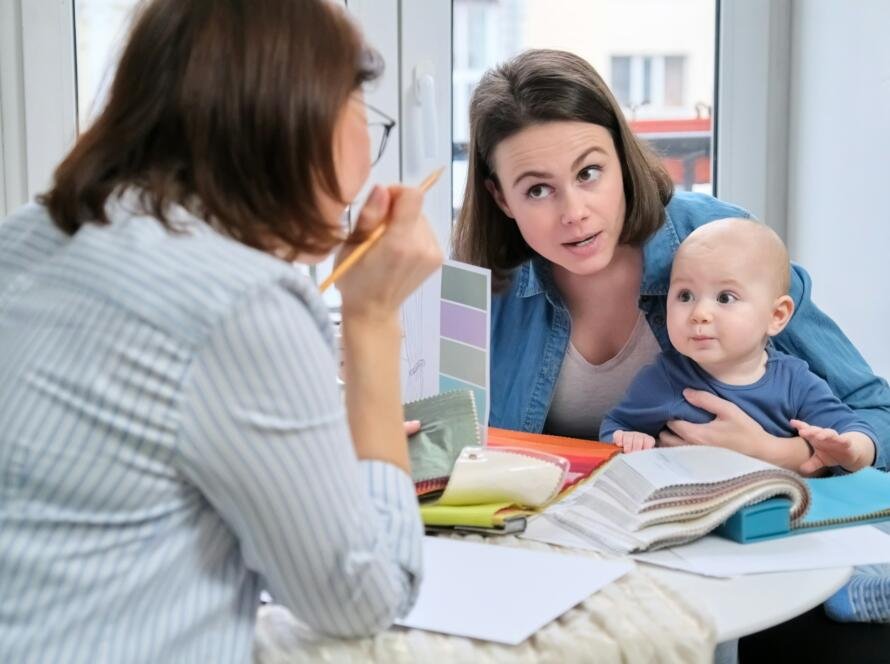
point(587, 266)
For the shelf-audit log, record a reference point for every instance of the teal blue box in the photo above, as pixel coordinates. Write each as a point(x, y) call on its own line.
point(770, 518)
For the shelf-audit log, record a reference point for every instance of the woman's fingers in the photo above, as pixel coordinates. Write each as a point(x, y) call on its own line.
point(404, 256)
point(406, 206)
point(709, 402)
point(668, 438)
point(374, 211)
point(812, 464)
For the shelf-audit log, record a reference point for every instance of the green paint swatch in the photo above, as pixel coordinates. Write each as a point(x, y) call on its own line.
point(469, 288)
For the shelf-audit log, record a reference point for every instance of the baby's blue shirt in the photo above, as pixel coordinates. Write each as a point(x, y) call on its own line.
point(787, 390)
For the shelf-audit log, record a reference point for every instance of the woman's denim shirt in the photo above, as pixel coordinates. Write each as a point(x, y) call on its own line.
point(530, 330)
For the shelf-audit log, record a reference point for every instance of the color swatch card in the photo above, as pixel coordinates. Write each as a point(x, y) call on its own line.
point(465, 332)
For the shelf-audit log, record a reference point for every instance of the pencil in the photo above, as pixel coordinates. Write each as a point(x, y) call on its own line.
point(362, 249)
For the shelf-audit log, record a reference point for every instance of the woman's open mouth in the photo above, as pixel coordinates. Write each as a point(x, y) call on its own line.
point(583, 242)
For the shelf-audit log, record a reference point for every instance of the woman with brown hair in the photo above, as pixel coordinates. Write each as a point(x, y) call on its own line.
point(172, 436)
point(579, 223)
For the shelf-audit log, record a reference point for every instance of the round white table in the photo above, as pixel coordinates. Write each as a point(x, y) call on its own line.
point(747, 604)
point(650, 615)
point(737, 606)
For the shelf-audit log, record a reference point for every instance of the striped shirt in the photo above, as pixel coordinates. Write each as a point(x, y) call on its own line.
point(172, 441)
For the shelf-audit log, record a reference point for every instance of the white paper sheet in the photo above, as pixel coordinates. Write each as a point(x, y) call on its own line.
point(500, 593)
point(716, 556)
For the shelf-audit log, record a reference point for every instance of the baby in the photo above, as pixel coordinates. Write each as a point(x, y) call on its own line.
point(728, 295)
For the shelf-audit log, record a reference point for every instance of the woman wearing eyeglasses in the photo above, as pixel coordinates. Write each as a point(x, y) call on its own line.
point(172, 438)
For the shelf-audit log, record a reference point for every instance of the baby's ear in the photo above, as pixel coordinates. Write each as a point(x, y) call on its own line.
point(783, 308)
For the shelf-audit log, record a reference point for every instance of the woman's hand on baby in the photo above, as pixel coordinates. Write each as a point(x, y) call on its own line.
point(852, 450)
point(633, 441)
point(406, 254)
point(412, 427)
point(731, 427)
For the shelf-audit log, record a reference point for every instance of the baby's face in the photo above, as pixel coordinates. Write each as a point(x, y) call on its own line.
point(720, 306)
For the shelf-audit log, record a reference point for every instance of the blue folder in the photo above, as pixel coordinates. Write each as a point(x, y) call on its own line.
point(841, 500)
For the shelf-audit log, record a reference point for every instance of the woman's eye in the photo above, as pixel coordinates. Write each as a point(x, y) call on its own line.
point(726, 298)
point(684, 296)
point(589, 174)
point(538, 191)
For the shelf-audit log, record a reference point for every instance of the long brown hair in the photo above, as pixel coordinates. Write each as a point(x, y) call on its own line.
point(543, 86)
point(227, 107)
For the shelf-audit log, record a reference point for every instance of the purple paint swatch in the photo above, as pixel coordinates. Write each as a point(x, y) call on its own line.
point(463, 324)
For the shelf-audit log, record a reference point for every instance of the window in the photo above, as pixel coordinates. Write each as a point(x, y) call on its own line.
point(620, 79)
point(663, 78)
point(674, 72)
point(100, 29)
point(652, 84)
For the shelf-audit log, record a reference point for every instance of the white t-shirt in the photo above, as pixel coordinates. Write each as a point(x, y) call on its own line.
point(585, 392)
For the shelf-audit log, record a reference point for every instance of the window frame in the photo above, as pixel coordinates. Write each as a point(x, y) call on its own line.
point(38, 116)
point(39, 111)
point(751, 123)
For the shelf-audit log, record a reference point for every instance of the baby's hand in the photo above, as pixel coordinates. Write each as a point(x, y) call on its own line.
point(852, 450)
point(633, 441)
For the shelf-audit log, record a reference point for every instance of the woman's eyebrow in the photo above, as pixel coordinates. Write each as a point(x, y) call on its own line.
point(575, 164)
point(531, 174)
point(581, 157)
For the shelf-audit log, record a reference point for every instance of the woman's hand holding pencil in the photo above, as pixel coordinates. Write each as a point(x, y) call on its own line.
point(400, 252)
point(353, 257)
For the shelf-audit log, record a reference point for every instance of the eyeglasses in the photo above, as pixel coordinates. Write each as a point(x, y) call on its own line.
point(378, 132)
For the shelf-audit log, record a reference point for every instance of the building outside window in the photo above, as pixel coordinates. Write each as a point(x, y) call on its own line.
point(657, 57)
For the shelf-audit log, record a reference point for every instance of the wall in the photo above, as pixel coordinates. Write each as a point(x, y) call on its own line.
point(839, 164)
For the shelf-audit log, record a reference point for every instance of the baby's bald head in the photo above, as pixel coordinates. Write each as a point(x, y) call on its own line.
point(755, 247)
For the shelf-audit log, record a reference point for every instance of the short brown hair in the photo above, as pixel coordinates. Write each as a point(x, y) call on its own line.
point(227, 107)
point(542, 86)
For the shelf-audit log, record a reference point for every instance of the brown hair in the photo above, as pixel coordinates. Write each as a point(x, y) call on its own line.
point(227, 107)
point(542, 86)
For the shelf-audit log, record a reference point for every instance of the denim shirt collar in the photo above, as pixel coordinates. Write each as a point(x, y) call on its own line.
point(536, 276)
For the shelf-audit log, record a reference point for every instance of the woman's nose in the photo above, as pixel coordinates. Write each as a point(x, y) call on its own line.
point(574, 207)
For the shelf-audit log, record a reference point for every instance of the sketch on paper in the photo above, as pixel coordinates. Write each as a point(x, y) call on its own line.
point(420, 341)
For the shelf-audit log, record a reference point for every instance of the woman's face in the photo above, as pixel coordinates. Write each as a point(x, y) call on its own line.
point(561, 182)
point(352, 157)
point(352, 163)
